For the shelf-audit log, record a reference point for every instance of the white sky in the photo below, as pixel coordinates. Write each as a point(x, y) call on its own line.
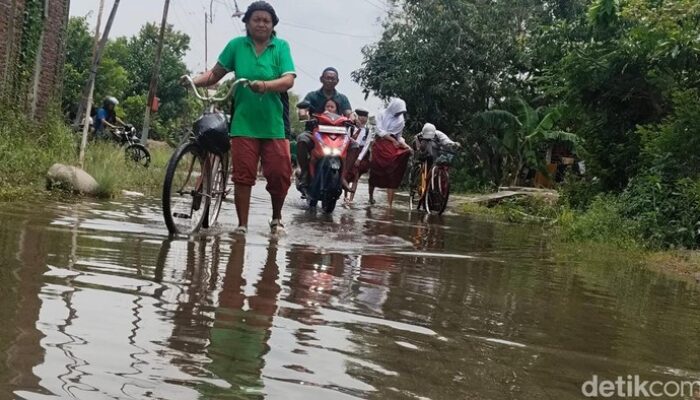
point(321, 33)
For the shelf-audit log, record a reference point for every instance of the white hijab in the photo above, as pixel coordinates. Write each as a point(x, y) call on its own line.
point(387, 121)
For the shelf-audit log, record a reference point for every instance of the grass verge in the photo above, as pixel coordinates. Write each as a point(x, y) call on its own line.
point(601, 229)
point(28, 149)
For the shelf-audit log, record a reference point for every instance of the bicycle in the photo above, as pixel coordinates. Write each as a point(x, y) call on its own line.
point(430, 186)
point(195, 180)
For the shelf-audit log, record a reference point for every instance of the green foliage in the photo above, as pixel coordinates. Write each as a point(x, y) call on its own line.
point(602, 222)
point(518, 139)
point(125, 73)
point(668, 213)
point(28, 149)
point(32, 27)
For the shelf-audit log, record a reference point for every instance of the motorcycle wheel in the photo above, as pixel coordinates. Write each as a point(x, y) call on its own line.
point(138, 154)
point(332, 192)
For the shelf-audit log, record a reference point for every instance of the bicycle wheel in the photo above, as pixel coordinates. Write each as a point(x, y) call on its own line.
point(185, 190)
point(138, 153)
point(439, 190)
point(219, 175)
point(418, 186)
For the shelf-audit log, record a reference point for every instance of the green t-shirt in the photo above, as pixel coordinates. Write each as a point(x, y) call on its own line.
point(257, 115)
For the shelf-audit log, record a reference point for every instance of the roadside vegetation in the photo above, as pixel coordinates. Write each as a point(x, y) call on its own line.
point(28, 149)
point(614, 82)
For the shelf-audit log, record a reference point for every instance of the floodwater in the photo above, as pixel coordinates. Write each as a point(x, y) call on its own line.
point(97, 303)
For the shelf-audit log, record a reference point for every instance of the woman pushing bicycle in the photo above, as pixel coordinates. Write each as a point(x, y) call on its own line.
point(257, 124)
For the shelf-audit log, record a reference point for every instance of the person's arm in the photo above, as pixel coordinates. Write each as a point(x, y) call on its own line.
point(210, 77)
point(279, 85)
point(287, 74)
point(365, 149)
point(119, 121)
point(445, 140)
point(345, 106)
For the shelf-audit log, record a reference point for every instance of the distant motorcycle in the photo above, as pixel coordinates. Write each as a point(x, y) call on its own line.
point(134, 151)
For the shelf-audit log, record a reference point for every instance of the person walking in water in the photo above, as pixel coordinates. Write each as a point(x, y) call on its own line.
point(390, 152)
point(359, 154)
point(257, 127)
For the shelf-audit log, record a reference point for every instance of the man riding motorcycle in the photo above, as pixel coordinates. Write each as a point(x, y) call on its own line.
point(316, 101)
point(106, 117)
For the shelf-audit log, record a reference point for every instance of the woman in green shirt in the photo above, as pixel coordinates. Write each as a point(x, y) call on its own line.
point(257, 125)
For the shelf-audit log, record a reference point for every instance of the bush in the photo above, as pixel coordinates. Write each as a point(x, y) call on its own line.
point(578, 193)
point(28, 149)
point(668, 214)
point(602, 222)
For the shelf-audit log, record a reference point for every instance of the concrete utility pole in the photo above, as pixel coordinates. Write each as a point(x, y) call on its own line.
point(93, 71)
point(87, 88)
point(206, 42)
point(154, 78)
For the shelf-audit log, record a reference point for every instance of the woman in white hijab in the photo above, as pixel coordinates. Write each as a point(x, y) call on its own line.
point(390, 153)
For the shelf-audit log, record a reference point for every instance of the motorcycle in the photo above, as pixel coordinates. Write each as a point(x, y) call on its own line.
point(331, 143)
point(134, 151)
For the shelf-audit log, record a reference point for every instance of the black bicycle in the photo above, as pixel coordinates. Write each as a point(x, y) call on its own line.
point(195, 180)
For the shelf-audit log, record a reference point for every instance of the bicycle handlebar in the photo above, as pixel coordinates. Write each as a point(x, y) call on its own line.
point(213, 99)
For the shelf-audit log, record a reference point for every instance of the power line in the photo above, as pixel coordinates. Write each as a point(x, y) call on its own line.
point(375, 5)
point(326, 32)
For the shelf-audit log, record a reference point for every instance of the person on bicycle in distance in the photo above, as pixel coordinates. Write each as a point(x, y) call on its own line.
point(317, 103)
point(257, 125)
point(427, 145)
point(106, 118)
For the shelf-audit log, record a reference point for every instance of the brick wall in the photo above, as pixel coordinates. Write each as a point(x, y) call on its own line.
point(45, 81)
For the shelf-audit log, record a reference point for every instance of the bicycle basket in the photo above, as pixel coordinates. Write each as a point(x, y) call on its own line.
point(445, 158)
point(211, 131)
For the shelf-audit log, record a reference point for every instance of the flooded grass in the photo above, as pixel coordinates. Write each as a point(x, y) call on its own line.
point(28, 149)
point(107, 164)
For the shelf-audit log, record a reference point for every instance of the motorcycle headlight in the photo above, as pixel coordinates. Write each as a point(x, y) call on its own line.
point(327, 151)
point(336, 152)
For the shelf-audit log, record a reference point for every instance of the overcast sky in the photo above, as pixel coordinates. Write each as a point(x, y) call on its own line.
point(321, 33)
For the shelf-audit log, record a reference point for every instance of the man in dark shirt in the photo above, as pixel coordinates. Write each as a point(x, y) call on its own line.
point(317, 103)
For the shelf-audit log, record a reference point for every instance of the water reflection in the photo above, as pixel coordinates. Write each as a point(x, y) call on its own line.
point(369, 303)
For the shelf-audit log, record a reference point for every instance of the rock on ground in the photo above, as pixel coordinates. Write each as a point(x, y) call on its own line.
point(71, 178)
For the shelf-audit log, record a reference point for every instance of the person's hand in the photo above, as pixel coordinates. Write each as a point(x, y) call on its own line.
point(258, 86)
point(184, 81)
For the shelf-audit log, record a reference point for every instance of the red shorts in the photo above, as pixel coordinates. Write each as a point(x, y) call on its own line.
point(276, 163)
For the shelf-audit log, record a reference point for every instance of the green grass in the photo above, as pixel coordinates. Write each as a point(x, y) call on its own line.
point(601, 222)
point(114, 174)
point(28, 149)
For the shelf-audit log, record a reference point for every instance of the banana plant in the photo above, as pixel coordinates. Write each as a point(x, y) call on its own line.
point(520, 133)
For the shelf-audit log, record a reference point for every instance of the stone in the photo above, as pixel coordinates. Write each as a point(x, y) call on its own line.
point(71, 178)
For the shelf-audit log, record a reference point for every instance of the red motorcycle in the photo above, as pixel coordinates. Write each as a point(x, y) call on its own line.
point(331, 143)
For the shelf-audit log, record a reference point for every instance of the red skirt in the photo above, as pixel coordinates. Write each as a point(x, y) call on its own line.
point(353, 171)
point(388, 164)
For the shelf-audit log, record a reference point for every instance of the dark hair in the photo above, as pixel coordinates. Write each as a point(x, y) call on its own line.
point(330, 69)
point(261, 6)
point(337, 105)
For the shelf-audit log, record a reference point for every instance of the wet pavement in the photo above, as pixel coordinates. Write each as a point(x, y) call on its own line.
point(97, 303)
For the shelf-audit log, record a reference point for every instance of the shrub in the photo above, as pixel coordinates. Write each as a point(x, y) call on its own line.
point(602, 222)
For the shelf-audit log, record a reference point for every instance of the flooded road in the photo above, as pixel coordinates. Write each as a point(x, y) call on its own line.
point(97, 303)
